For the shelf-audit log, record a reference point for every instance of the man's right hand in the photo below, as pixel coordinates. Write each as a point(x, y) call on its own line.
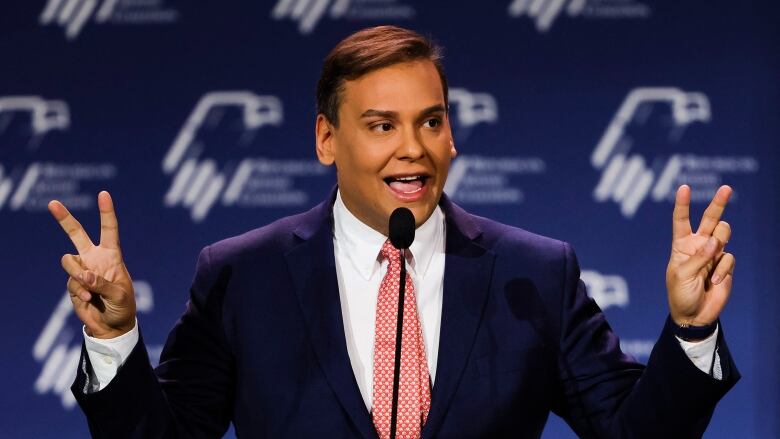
point(99, 285)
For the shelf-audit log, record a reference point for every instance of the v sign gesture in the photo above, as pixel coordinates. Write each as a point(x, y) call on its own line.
point(99, 285)
point(699, 274)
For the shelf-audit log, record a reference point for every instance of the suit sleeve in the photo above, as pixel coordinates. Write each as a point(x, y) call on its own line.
point(189, 395)
point(606, 394)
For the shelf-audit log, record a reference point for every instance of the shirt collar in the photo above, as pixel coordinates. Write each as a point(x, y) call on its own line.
point(362, 243)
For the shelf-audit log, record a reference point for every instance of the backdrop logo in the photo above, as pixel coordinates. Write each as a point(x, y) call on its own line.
point(45, 115)
point(471, 109)
point(308, 13)
point(630, 178)
point(201, 177)
point(480, 179)
point(73, 15)
point(30, 185)
point(546, 12)
point(606, 290)
point(58, 346)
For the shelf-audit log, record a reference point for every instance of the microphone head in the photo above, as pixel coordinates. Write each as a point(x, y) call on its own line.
point(401, 228)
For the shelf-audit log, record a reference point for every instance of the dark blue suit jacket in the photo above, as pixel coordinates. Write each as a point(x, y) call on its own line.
point(262, 344)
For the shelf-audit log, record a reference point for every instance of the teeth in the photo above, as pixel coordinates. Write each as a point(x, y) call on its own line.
point(408, 178)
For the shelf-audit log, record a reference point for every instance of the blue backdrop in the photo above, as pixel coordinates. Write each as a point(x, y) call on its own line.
point(573, 118)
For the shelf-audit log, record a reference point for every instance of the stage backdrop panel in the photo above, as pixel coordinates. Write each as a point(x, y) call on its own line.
point(574, 118)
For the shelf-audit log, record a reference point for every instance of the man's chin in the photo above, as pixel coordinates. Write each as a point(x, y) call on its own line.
point(421, 212)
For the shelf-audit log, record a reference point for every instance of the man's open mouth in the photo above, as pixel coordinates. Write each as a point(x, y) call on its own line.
point(408, 184)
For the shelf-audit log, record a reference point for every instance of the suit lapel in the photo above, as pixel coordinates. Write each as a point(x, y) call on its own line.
point(467, 273)
point(313, 269)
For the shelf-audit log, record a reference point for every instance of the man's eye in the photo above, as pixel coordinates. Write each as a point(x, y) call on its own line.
point(382, 127)
point(432, 123)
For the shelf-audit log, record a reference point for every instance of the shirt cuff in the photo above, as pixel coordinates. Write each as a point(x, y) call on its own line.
point(107, 355)
point(704, 354)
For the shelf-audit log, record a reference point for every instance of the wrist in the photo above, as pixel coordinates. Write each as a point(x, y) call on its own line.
point(109, 332)
point(693, 331)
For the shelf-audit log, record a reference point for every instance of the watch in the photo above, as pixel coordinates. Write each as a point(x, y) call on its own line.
point(689, 332)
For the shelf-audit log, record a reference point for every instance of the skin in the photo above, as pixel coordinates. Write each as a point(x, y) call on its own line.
point(393, 122)
point(99, 284)
point(700, 273)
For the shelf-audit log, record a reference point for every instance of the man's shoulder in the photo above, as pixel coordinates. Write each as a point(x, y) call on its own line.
point(274, 239)
point(500, 237)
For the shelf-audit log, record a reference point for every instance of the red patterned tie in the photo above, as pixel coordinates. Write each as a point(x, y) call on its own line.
point(414, 392)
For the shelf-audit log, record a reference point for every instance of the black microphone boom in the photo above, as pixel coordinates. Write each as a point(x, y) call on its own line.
point(401, 228)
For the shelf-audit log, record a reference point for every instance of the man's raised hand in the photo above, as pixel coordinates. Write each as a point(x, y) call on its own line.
point(699, 274)
point(99, 285)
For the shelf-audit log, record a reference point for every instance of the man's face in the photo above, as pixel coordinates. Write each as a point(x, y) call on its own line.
point(393, 146)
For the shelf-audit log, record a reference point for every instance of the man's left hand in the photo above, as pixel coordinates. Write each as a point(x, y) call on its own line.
point(700, 274)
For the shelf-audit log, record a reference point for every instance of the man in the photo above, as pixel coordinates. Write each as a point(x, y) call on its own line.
point(287, 329)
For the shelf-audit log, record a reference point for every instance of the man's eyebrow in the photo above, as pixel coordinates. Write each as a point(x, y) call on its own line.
point(438, 108)
point(379, 113)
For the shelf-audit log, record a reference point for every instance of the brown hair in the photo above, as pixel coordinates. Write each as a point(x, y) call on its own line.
point(368, 50)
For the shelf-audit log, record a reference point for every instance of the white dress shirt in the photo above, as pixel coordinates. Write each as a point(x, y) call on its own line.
point(359, 272)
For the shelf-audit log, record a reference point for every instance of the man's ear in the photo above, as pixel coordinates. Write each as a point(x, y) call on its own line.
point(453, 151)
point(324, 133)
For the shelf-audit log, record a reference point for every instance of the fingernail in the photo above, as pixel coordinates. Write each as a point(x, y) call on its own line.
point(711, 245)
point(88, 277)
point(715, 278)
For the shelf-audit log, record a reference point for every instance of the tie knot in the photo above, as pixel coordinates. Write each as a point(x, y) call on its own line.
point(390, 253)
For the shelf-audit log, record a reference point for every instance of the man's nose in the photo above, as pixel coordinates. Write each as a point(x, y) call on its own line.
point(411, 147)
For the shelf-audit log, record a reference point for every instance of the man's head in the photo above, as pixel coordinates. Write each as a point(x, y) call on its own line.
point(382, 120)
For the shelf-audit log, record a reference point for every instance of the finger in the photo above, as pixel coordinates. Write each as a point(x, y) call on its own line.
point(723, 289)
point(700, 259)
point(714, 211)
point(109, 227)
point(98, 284)
point(716, 298)
point(71, 226)
point(719, 292)
point(722, 232)
point(724, 268)
point(681, 221)
point(90, 280)
point(75, 289)
point(72, 266)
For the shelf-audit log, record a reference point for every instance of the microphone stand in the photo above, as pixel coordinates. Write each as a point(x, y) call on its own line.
point(398, 336)
point(401, 233)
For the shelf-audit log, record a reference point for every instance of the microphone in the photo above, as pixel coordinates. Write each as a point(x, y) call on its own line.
point(401, 230)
